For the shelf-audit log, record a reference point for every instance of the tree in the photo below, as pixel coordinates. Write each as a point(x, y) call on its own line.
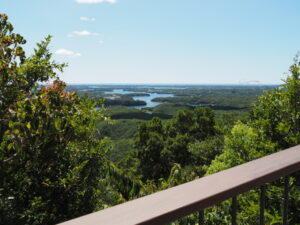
point(274, 125)
point(198, 124)
point(203, 152)
point(151, 153)
point(277, 113)
point(50, 162)
point(161, 146)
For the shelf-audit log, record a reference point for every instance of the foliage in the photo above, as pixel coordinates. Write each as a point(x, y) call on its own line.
point(225, 120)
point(125, 101)
point(203, 152)
point(242, 145)
point(161, 146)
point(50, 162)
point(220, 98)
point(169, 108)
point(274, 125)
point(277, 114)
point(122, 113)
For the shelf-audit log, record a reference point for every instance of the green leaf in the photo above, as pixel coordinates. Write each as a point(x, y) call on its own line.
point(10, 146)
point(57, 123)
point(28, 125)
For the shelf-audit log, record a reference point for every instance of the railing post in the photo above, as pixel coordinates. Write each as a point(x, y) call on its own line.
point(262, 204)
point(201, 217)
point(285, 201)
point(233, 210)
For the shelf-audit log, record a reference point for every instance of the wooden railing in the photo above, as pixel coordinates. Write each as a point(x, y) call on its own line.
point(168, 205)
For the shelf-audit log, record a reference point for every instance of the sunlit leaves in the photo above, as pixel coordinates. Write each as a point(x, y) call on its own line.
point(50, 162)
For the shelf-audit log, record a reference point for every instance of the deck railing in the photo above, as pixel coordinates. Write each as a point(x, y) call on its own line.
point(176, 202)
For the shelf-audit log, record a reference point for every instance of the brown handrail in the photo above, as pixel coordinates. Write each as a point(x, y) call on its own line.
point(168, 205)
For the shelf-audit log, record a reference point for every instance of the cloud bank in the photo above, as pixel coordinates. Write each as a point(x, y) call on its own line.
point(95, 1)
point(66, 52)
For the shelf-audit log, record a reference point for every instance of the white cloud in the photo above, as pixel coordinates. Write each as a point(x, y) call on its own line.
point(95, 1)
point(66, 52)
point(83, 18)
point(84, 33)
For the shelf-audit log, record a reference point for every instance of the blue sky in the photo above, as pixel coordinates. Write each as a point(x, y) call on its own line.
point(164, 41)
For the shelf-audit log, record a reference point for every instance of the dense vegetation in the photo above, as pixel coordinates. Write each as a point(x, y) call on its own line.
point(61, 156)
point(50, 163)
point(160, 147)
